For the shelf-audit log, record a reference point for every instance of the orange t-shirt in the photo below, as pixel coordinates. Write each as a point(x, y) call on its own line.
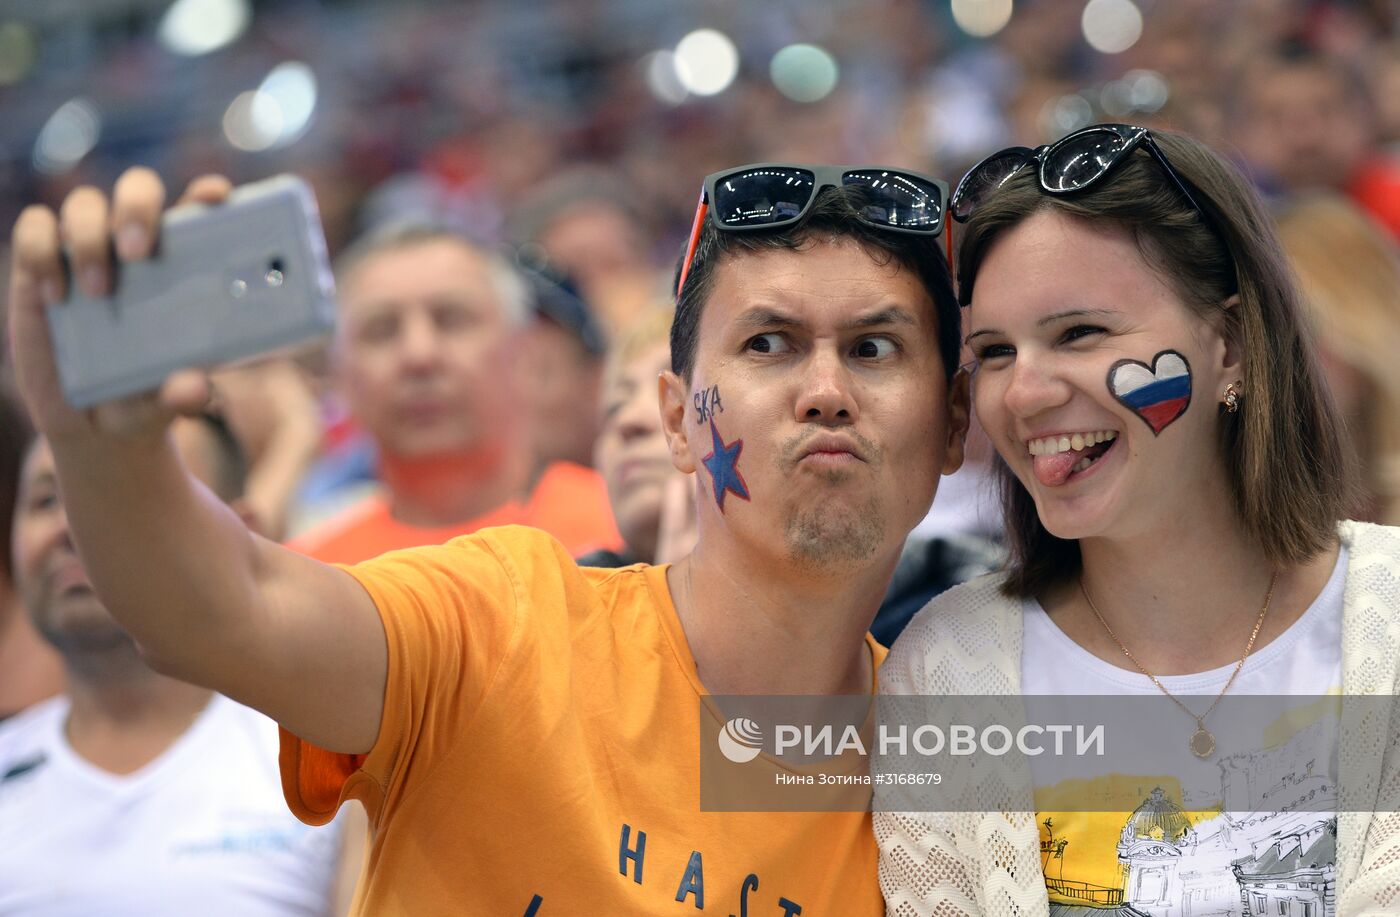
point(569, 502)
point(539, 754)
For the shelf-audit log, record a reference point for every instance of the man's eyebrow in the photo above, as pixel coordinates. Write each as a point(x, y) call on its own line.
point(458, 296)
point(766, 318)
point(374, 308)
point(371, 309)
point(891, 316)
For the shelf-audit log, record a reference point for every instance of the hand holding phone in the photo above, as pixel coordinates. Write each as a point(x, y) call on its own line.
point(224, 283)
point(177, 321)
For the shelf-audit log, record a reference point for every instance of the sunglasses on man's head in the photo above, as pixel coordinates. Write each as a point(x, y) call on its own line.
point(1072, 163)
point(774, 195)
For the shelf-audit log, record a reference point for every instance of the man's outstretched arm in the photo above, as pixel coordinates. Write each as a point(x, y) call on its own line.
point(207, 600)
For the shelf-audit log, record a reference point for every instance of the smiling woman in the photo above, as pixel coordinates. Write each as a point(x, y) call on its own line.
point(1173, 477)
point(1288, 474)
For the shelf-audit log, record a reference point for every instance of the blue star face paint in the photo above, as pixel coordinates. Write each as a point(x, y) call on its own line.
point(723, 465)
point(1159, 394)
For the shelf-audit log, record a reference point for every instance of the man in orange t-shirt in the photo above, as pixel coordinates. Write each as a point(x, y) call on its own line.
point(527, 735)
point(428, 357)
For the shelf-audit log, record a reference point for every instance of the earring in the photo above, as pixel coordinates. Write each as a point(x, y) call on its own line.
point(1232, 397)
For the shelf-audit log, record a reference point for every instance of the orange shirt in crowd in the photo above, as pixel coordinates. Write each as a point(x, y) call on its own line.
point(569, 502)
point(539, 754)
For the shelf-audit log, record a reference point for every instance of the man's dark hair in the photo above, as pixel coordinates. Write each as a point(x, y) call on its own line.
point(833, 215)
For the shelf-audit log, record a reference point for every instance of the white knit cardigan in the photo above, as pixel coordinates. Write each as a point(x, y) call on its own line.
point(968, 642)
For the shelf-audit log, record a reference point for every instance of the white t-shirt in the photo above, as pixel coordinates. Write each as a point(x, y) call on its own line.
point(1176, 848)
point(201, 830)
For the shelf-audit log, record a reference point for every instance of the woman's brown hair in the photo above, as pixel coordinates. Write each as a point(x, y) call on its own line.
point(1283, 451)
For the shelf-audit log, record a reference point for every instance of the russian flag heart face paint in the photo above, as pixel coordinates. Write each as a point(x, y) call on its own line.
point(1159, 393)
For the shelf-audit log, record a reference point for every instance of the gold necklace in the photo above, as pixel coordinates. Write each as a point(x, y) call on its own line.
point(1202, 743)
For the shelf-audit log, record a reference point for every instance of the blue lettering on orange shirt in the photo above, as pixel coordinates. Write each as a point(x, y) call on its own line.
point(693, 882)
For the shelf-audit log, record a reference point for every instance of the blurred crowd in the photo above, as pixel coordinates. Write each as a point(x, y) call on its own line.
point(477, 112)
point(506, 189)
point(543, 131)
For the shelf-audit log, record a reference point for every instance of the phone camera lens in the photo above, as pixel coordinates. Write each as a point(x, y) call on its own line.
point(274, 276)
point(238, 289)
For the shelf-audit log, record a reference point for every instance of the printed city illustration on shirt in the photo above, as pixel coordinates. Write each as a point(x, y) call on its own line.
point(1178, 837)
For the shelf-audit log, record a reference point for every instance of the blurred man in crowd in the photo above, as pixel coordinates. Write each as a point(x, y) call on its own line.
point(30, 669)
point(579, 225)
point(431, 358)
point(134, 793)
point(565, 372)
point(1305, 121)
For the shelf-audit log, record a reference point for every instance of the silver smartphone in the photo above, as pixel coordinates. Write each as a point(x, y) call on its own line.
point(226, 282)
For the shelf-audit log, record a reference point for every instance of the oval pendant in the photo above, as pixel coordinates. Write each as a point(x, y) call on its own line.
point(1202, 743)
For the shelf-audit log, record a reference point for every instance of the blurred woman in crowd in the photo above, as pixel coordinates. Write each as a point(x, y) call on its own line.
point(1349, 277)
point(652, 502)
point(1174, 473)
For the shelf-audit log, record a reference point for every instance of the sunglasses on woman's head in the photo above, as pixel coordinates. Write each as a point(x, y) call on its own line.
point(773, 195)
point(1072, 163)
